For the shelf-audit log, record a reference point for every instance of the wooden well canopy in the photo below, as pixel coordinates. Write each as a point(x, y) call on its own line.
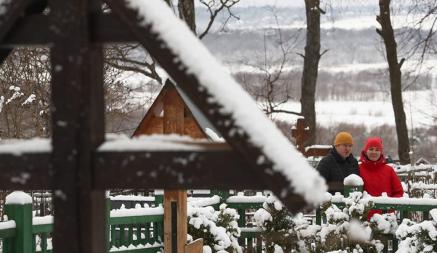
point(74, 168)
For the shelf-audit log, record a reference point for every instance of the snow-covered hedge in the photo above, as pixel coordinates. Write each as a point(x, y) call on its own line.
point(281, 232)
point(345, 230)
point(219, 229)
point(418, 237)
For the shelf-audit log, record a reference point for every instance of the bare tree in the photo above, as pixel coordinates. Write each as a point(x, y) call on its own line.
point(24, 94)
point(387, 34)
point(311, 66)
point(187, 13)
point(135, 58)
point(420, 39)
point(215, 7)
point(272, 88)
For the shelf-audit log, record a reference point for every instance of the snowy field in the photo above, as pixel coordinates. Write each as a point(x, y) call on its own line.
point(418, 109)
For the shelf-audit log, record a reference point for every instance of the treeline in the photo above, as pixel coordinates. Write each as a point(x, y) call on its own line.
point(338, 85)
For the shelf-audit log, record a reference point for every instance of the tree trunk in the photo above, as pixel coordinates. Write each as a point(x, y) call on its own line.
point(310, 68)
point(387, 35)
point(187, 13)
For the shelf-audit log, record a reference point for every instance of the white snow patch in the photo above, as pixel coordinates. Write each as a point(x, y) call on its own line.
point(7, 224)
point(123, 143)
point(44, 220)
point(19, 147)
point(353, 180)
point(18, 198)
point(137, 212)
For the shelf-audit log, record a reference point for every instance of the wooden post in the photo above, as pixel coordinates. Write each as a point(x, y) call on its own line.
point(77, 123)
point(175, 201)
point(19, 210)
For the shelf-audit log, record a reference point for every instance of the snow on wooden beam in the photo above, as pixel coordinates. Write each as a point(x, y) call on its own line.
point(222, 101)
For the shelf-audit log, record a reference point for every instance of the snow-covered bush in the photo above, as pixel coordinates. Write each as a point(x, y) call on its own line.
point(219, 229)
point(281, 232)
point(347, 229)
point(418, 237)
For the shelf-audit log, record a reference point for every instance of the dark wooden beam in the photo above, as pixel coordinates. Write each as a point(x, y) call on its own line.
point(174, 170)
point(76, 69)
point(104, 28)
point(13, 11)
point(4, 53)
point(224, 123)
point(25, 171)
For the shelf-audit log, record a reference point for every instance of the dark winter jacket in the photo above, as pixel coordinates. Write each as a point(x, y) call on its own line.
point(334, 169)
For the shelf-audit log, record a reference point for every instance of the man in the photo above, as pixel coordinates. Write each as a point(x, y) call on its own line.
point(339, 163)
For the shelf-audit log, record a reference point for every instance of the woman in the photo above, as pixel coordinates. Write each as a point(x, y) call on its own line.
point(378, 177)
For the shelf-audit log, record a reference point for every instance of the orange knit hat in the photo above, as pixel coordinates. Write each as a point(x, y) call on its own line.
point(343, 138)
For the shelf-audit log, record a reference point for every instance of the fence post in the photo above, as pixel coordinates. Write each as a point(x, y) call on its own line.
point(159, 197)
point(108, 224)
point(18, 207)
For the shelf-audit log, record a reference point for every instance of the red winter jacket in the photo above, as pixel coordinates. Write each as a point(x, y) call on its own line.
point(378, 177)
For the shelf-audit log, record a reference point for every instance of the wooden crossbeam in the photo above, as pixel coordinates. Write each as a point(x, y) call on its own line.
point(189, 83)
point(15, 10)
point(173, 170)
point(104, 28)
point(25, 171)
point(193, 169)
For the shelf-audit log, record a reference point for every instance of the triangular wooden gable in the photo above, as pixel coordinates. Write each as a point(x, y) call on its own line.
point(78, 169)
point(169, 98)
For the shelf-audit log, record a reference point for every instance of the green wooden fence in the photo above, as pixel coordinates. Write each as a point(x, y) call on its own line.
point(126, 234)
point(142, 233)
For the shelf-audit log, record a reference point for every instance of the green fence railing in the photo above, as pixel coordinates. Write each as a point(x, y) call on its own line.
point(141, 230)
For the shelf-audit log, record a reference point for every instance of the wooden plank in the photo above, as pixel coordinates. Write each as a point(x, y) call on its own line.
point(157, 106)
point(174, 241)
point(25, 172)
point(173, 112)
point(174, 170)
point(191, 86)
point(195, 247)
point(179, 198)
point(192, 129)
point(79, 209)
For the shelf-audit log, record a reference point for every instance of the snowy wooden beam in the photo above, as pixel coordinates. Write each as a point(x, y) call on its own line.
point(222, 101)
